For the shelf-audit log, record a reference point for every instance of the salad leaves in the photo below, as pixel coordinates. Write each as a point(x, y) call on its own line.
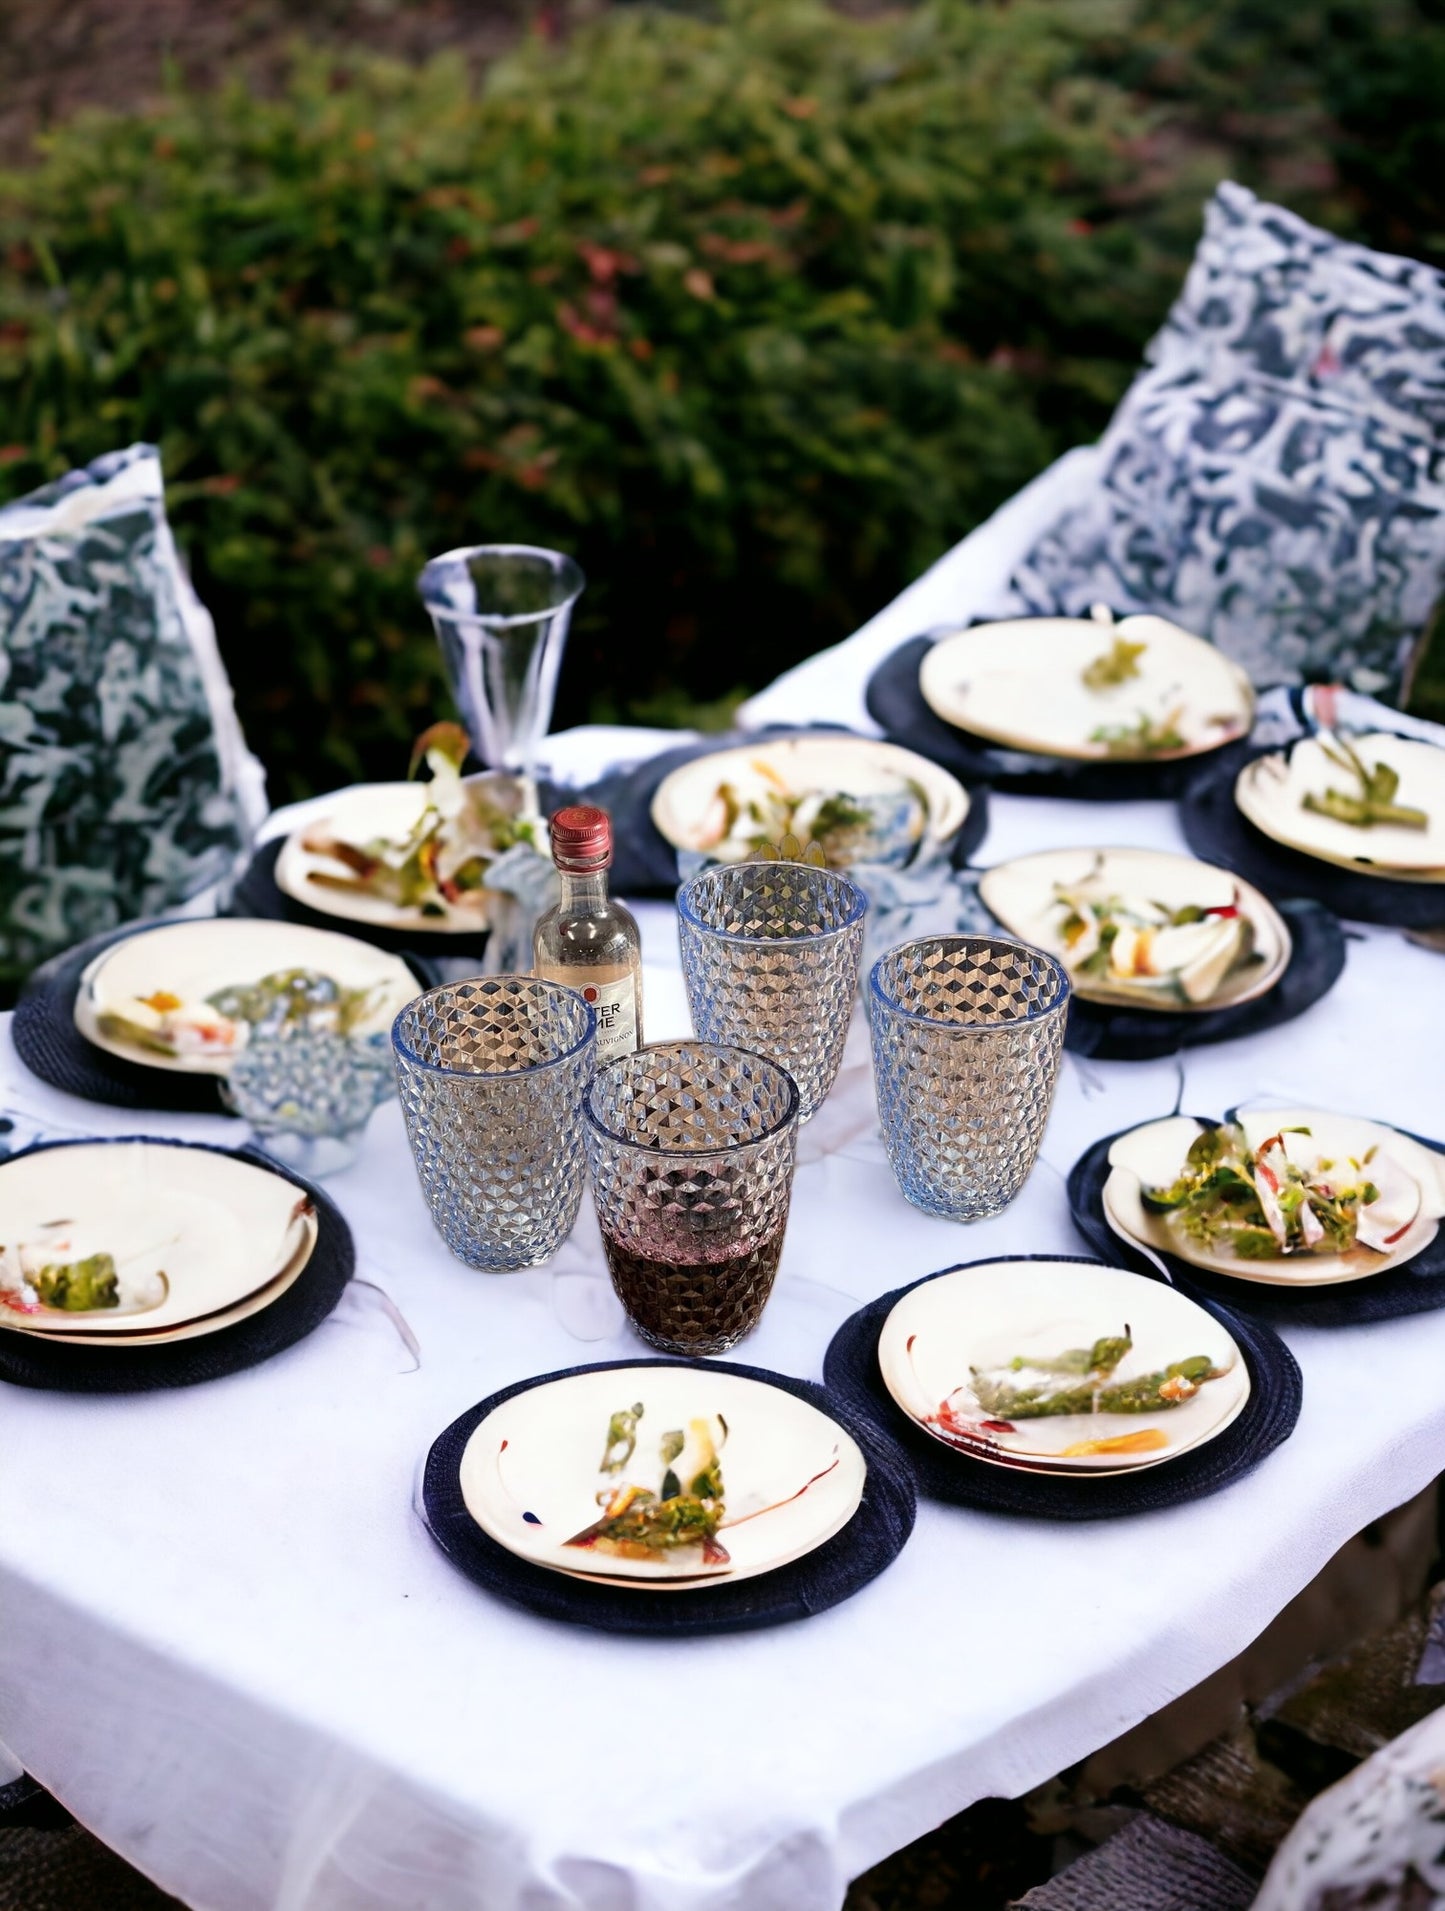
point(1277, 1200)
point(687, 1508)
point(1373, 800)
point(1149, 736)
point(442, 864)
point(1113, 666)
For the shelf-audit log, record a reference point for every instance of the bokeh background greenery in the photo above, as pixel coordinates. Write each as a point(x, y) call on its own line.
point(754, 307)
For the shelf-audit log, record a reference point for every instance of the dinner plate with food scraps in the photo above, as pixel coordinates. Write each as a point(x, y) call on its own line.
point(99, 1238)
point(413, 855)
point(1373, 803)
point(1141, 690)
point(188, 996)
point(1061, 1366)
point(859, 799)
point(1142, 928)
point(1283, 1196)
point(197, 1329)
point(660, 1476)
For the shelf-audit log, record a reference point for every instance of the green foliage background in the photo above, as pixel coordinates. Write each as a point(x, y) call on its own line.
point(755, 312)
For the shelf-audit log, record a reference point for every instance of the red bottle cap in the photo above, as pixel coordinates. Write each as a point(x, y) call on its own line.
point(581, 838)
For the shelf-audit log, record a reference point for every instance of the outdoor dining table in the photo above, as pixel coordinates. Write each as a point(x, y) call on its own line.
point(230, 1647)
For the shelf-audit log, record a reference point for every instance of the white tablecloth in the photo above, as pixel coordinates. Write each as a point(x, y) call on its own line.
point(230, 1647)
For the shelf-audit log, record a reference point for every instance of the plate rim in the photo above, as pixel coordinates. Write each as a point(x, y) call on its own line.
point(1012, 740)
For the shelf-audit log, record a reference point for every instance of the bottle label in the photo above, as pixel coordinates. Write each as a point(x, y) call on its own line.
point(615, 1006)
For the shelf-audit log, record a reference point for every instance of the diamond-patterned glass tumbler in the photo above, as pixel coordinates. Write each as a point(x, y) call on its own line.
point(691, 1148)
point(967, 1033)
point(491, 1074)
point(770, 954)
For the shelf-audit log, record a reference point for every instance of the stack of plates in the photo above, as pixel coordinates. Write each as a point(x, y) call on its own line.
point(531, 1473)
point(151, 1243)
point(1271, 792)
point(966, 1355)
point(1043, 685)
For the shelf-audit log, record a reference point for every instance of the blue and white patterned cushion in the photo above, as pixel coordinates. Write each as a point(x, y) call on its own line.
point(125, 786)
point(1275, 478)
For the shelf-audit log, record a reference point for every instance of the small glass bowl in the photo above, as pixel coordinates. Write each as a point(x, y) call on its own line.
point(309, 1094)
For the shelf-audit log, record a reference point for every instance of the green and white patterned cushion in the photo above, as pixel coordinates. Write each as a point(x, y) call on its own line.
point(125, 787)
point(1275, 478)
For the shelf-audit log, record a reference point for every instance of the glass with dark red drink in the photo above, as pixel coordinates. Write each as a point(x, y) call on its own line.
point(691, 1149)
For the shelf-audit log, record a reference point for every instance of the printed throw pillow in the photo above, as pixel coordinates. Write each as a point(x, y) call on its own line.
point(125, 785)
point(1275, 478)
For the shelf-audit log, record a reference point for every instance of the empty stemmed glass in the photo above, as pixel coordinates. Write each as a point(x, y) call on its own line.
point(501, 613)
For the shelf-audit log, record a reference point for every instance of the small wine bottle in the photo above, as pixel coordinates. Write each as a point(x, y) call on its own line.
point(589, 942)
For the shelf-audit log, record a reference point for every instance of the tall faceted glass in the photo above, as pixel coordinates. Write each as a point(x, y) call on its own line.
point(501, 613)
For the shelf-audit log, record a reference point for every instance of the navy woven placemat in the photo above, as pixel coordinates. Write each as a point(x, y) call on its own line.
point(1216, 831)
point(26, 1360)
point(854, 1380)
point(897, 705)
point(644, 863)
point(871, 1540)
point(52, 1047)
point(1140, 1035)
point(256, 894)
point(1414, 1288)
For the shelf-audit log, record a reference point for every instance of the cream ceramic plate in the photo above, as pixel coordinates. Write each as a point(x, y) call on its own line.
point(1153, 1156)
point(989, 1315)
point(191, 1231)
point(1020, 683)
point(1022, 894)
point(1271, 790)
point(192, 960)
point(792, 1478)
point(687, 807)
point(362, 814)
point(209, 1323)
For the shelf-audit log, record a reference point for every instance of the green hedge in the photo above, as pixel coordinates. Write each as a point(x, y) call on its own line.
point(754, 314)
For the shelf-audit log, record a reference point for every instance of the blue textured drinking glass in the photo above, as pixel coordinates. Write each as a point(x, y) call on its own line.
point(967, 1034)
point(492, 1074)
point(770, 955)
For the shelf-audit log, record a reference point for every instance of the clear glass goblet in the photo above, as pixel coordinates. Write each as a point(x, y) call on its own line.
point(501, 613)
